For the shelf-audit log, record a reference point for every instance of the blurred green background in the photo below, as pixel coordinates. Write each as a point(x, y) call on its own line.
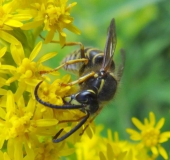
point(143, 30)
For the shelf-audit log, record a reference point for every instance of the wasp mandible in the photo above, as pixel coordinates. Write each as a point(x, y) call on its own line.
point(98, 80)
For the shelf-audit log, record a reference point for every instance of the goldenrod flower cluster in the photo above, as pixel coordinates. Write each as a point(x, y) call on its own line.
point(27, 127)
point(148, 146)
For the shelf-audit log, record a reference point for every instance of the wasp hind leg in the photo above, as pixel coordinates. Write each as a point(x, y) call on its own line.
point(81, 79)
point(65, 64)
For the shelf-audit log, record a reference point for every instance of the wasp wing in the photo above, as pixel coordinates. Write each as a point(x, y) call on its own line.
point(110, 46)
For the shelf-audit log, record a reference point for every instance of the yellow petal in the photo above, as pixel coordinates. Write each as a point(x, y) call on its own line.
point(154, 150)
point(109, 151)
point(73, 29)
point(152, 118)
point(20, 90)
point(13, 23)
point(102, 156)
point(49, 36)
point(146, 122)
point(22, 17)
point(35, 51)
point(71, 5)
point(20, 51)
point(18, 150)
point(31, 106)
point(2, 140)
point(1, 155)
point(15, 55)
point(2, 113)
point(6, 156)
point(9, 38)
point(67, 152)
point(32, 82)
point(162, 152)
point(47, 57)
point(109, 135)
point(164, 137)
point(62, 40)
point(134, 134)
point(116, 136)
point(11, 79)
point(30, 153)
point(31, 25)
point(137, 123)
point(3, 91)
point(2, 51)
point(160, 123)
point(8, 67)
point(10, 104)
point(66, 78)
point(46, 122)
point(89, 132)
point(2, 81)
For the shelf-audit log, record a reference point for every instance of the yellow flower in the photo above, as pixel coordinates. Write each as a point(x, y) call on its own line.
point(10, 19)
point(150, 135)
point(27, 127)
point(2, 72)
point(54, 15)
point(24, 130)
point(52, 151)
point(100, 148)
point(54, 92)
point(27, 71)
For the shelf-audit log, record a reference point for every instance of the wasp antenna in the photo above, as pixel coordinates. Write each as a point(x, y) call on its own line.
point(58, 133)
point(47, 104)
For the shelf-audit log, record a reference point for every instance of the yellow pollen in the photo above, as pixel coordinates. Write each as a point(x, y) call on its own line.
point(25, 61)
point(150, 137)
point(28, 74)
point(19, 125)
point(45, 91)
point(27, 68)
point(21, 69)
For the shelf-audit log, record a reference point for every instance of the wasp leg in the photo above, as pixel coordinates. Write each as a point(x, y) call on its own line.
point(69, 44)
point(76, 43)
point(65, 64)
point(82, 79)
point(56, 139)
point(90, 121)
point(69, 106)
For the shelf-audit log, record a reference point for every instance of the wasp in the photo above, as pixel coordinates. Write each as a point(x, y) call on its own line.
point(98, 80)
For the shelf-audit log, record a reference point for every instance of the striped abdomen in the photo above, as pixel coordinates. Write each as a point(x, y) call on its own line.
point(94, 56)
